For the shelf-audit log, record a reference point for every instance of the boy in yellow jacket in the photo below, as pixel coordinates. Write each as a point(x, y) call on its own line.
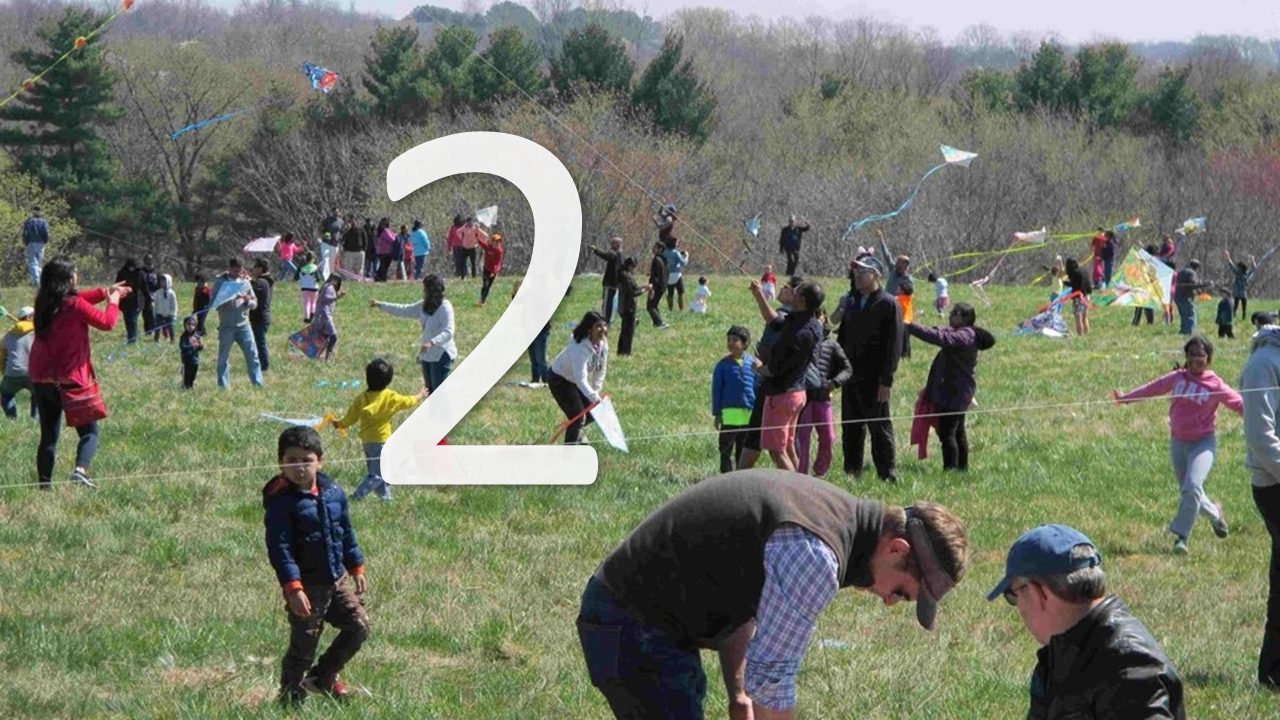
point(372, 411)
point(14, 348)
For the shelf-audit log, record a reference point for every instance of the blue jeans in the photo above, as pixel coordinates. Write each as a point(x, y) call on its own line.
point(260, 341)
point(539, 368)
point(1108, 266)
point(373, 481)
point(418, 262)
point(35, 261)
point(642, 671)
point(435, 371)
point(288, 270)
point(9, 389)
point(241, 335)
point(1187, 315)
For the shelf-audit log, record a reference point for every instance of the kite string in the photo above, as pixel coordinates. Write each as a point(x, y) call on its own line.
point(39, 76)
point(686, 434)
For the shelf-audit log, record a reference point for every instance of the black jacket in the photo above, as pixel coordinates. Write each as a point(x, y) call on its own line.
point(627, 292)
point(1106, 667)
point(612, 266)
point(792, 354)
point(658, 273)
point(262, 287)
point(354, 240)
point(872, 338)
point(830, 365)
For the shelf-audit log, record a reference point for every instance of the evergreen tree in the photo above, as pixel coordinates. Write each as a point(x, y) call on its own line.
point(52, 129)
point(1046, 81)
point(1173, 106)
point(671, 92)
point(449, 66)
point(397, 77)
point(591, 59)
point(1104, 87)
point(510, 64)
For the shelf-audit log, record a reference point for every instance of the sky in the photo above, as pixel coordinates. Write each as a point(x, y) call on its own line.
point(1072, 20)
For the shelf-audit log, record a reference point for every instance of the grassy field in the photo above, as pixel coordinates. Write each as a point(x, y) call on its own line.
point(152, 596)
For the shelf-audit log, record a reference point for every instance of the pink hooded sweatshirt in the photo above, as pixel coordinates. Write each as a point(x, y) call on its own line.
point(1193, 412)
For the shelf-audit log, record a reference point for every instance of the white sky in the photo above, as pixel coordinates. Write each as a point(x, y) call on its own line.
point(1073, 20)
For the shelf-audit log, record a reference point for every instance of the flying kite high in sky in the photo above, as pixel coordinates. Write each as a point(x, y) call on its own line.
point(322, 79)
point(1192, 226)
point(950, 156)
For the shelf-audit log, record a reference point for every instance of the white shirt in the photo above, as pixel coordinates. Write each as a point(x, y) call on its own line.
point(585, 365)
point(437, 328)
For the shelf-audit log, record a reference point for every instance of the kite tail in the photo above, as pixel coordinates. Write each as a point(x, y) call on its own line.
point(205, 123)
point(858, 225)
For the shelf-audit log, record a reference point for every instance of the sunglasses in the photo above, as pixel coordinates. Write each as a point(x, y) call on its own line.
point(1011, 595)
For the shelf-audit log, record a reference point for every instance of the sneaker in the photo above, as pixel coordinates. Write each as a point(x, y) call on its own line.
point(78, 477)
point(331, 686)
point(1180, 547)
point(1220, 525)
point(664, 326)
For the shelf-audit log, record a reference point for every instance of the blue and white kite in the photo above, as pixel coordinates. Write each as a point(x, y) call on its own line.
point(950, 156)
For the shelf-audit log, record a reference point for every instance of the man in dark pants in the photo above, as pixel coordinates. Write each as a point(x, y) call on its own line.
point(657, 285)
point(1260, 386)
point(789, 243)
point(743, 564)
point(871, 336)
point(612, 267)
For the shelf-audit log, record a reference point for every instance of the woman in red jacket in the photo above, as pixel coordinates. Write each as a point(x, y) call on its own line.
point(62, 375)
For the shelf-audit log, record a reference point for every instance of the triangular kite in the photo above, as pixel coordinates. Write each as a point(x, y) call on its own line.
point(262, 244)
point(228, 291)
point(957, 157)
point(304, 422)
point(1035, 237)
point(606, 418)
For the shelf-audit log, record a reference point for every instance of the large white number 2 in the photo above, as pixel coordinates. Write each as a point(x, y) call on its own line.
point(412, 455)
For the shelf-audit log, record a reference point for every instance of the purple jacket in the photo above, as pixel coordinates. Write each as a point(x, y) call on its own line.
point(952, 376)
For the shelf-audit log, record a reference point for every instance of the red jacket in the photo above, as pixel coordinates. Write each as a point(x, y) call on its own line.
point(493, 252)
point(62, 353)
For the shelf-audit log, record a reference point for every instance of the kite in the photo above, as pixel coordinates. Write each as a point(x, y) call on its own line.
point(1048, 320)
point(322, 79)
point(950, 156)
point(487, 216)
point(606, 418)
point(1192, 226)
point(753, 226)
point(262, 244)
point(310, 340)
point(1034, 237)
point(310, 422)
point(80, 43)
point(1125, 227)
point(1140, 281)
point(228, 290)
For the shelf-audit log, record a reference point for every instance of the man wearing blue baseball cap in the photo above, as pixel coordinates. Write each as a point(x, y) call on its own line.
point(1096, 660)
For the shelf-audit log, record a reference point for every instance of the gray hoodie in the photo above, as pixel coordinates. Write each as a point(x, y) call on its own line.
point(1260, 386)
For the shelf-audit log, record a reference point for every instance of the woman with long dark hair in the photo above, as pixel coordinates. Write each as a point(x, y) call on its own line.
point(385, 245)
point(435, 314)
point(577, 374)
point(62, 376)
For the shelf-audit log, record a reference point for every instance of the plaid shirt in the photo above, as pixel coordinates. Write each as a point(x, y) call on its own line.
point(799, 581)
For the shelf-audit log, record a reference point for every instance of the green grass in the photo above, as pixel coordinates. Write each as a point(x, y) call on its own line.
point(152, 596)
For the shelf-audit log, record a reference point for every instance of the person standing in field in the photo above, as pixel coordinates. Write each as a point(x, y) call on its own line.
point(830, 370)
point(657, 286)
point(953, 381)
point(628, 291)
point(434, 314)
point(871, 334)
point(783, 388)
point(1241, 276)
point(353, 243)
point(260, 317)
point(677, 259)
point(234, 327)
point(165, 301)
point(733, 396)
point(421, 248)
point(577, 374)
point(189, 346)
point(373, 411)
point(789, 243)
point(1260, 386)
point(612, 267)
point(35, 236)
point(494, 248)
point(15, 354)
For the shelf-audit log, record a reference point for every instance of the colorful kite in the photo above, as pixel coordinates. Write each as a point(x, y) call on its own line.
point(1124, 227)
point(310, 340)
point(1140, 281)
point(322, 79)
point(80, 43)
point(487, 216)
point(262, 244)
point(1048, 320)
point(950, 156)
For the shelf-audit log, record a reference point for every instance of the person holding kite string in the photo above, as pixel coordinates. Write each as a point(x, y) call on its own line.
point(1195, 393)
point(434, 313)
point(952, 382)
point(577, 374)
point(628, 291)
point(233, 324)
point(60, 365)
point(789, 242)
point(612, 267)
point(1241, 276)
point(494, 248)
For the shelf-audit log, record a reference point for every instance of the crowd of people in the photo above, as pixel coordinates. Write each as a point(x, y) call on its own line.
point(742, 563)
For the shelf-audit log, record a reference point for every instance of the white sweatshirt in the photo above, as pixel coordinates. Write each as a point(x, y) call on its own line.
point(584, 365)
point(436, 328)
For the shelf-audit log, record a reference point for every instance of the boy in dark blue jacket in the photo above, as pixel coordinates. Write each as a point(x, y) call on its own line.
point(733, 395)
point(313, 548)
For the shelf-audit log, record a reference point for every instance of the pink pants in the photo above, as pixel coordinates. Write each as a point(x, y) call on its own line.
point(309, 303)
point(816, 416)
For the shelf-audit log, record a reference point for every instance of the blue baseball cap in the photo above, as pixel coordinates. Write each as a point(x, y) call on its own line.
point(1043, 551)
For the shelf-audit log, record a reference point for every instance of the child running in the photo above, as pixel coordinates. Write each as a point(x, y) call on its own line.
point(313, 550)
point(1195, 393)
point(372, 410)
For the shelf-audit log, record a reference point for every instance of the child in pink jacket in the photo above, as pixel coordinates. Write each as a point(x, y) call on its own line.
point(1196, 392)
